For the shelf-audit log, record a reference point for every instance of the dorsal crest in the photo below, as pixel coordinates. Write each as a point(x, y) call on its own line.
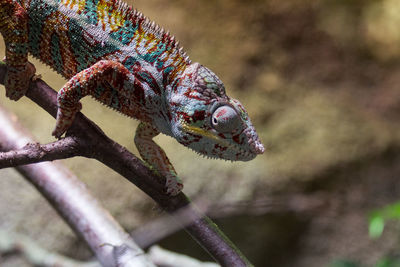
point(122, 19)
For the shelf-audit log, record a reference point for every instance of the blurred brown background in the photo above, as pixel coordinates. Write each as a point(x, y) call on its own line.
point(320, 80)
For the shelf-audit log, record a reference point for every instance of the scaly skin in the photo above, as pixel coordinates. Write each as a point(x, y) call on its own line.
point(113, 53)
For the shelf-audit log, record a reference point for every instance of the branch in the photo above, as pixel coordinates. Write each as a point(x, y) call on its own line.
point(36, 255)
point(165, 258)
point(97, 145)
point(35, 152)
point(158, 229)
point(71, 199)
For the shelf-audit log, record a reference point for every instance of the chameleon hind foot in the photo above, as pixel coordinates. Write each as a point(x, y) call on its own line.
point(65, 117)
point(17, 81)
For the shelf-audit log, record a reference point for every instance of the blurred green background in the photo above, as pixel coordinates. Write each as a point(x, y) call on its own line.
point(321, 82)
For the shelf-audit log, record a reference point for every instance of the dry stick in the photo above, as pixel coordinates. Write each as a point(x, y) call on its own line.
point(150, 233)
point(71, 199)
point(97, 145)
point(162, 257)
point(35, 254)
point(35, 152)
point(14, 243)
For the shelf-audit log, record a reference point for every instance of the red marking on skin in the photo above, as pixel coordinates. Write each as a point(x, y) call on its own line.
point(181, 65)
point(236, 138)
point(222, 112)
point(185, 116)
point(220, 148)
point(190, 94)
point(149, 40)
point(189, 142)
point(175, 84)
point(166, 75)
point(186, 142)
point(68, 59)
point(198, 115)
point(120, 78)
point(139, 33)
point(139, 91)
point(45, 47)
point(61, 30)
point(169, 115)
point(196, 138)
point(20, 13)
point(139, 71)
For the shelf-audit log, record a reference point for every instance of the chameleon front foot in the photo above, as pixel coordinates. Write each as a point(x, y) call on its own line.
point(16, 81)
point(65, 117)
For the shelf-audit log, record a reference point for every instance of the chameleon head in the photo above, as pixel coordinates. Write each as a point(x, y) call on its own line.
point(208, 121)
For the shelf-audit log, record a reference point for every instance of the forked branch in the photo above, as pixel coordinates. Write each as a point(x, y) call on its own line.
point(35, 152)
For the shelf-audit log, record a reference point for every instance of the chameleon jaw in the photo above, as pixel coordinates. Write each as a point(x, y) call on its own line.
point(244, 154)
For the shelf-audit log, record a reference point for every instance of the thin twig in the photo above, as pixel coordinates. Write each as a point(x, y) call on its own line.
point(36, 255)
point(99, 146)
point(152, 232)
point(165, 258)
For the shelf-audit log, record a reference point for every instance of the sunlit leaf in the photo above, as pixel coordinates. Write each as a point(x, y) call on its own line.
point(376, 226)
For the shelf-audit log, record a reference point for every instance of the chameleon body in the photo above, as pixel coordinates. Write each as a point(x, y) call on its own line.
point(112, 52)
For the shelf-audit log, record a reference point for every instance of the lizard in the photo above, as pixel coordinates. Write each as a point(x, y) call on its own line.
point(110, 51)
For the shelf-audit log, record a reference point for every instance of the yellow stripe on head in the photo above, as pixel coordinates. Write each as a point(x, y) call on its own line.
point(199, 131)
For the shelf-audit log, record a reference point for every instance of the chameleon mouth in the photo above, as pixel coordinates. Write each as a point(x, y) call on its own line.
point(244, 154)
point(255, 144)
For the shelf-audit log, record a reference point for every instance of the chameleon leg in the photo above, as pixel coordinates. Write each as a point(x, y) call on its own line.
point(13, 27)
point(156, 157)
point(86, 83)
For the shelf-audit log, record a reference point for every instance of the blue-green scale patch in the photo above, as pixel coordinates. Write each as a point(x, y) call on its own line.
point(168, 70)
point(90, 12)
point(129, 62)
point(125, 33)
point(165, 74)
point(99, 91)
point(18, 48)
point(114, 100)
point(87, 54)
point(55, 53)
point(145, 76)
point(159, 64)
point(78, 89)
point(38, 12)
point(152, 57)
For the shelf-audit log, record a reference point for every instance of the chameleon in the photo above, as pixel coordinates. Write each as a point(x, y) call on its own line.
point(110, 51)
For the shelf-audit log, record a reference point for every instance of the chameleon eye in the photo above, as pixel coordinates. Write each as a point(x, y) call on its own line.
point(225, 119)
